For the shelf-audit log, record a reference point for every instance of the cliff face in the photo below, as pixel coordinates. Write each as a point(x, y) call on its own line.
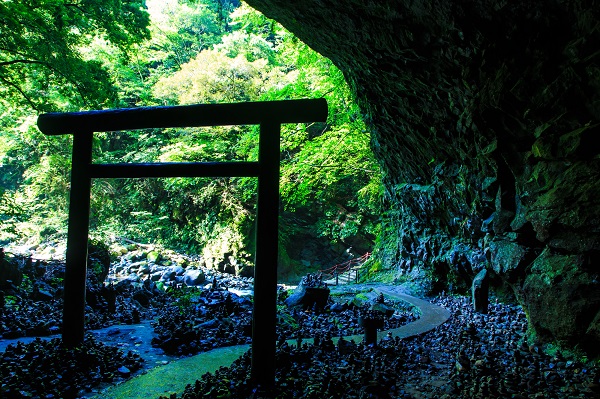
point(485, 117)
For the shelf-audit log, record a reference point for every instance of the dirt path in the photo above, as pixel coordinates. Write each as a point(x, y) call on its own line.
point(431, 315)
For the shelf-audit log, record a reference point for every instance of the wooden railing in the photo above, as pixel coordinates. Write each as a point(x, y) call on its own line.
point(334, 272)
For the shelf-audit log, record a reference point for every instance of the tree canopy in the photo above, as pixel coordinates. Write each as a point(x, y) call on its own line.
point(43, 64)
point(180, 52)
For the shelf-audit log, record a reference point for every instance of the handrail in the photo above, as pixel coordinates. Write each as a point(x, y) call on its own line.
point(345, 266)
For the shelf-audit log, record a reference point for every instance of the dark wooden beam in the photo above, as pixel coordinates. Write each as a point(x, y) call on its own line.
point(264, 321)
point(249, 113)
point(77, 242)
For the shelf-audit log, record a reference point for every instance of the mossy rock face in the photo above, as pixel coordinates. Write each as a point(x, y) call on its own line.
point(562, 301)
point(483, 118)
point(509, 259)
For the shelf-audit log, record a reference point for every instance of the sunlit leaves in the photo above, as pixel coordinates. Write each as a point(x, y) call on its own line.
point(214, 144)
point(40, 60)
point(180, 30)
point(250, 45)
point(330, 167)
point(213, 77)
point(10, 214)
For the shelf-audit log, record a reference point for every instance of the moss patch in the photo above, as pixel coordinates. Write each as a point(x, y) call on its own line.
point(173, 377)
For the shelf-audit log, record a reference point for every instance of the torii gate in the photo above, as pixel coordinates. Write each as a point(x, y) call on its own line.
point(268, 114)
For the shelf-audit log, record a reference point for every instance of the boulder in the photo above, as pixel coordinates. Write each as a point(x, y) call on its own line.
point(556, 293)
point(172, 272)
point(308, 297)
point(153, 256)
point(193, 277)
point(359, 300)
point(383, 308)
point(143, 270)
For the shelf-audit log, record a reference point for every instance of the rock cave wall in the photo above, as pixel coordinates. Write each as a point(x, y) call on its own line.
point(485, 118)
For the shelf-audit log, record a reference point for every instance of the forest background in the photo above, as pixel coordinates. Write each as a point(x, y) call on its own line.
point(88, 54)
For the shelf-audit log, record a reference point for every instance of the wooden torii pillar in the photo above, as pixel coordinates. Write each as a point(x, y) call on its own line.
point(270, 115)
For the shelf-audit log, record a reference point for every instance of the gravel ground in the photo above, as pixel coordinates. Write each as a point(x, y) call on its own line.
point(470, 356)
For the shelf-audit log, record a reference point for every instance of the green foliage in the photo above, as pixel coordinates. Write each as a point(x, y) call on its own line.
point(12, 302)
point(213, 77)
point(285, 319)
point(40, 43)
point(10, 214)
point(180, 30)
point(45, 65)
point(184, 297)
point(26, 283)
point(572, 354)
point(375, 266)
point(202, 51)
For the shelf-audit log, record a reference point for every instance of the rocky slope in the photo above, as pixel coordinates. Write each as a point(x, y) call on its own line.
point(485, 116)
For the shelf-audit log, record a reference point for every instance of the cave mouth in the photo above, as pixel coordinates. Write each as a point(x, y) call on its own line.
point(502, 177)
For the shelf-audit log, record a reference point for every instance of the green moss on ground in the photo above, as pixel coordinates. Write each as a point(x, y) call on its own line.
point(173, 376)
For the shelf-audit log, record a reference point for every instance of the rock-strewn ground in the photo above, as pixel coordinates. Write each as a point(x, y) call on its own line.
point(470, 356)
point(186, 320)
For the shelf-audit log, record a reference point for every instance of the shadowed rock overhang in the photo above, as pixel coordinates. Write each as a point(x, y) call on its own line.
point(484, 117)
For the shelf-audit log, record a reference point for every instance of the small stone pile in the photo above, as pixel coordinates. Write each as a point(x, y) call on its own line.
point(201, 320)
point(45, 369)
